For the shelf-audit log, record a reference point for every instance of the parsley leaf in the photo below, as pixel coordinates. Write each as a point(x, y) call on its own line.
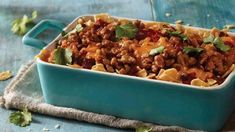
point(218, 42)
point(209, 39)
point(173, 33)
point(183, 37)
point(63, 33)
point(63, 56)
point(177, 34)
point(68, 55)
point(189, 50)
point(59, 56)
point(78, 28)
point(128, 30)
point(21, 118)
point(21, 25)
point(157, 50)
point(143, 129)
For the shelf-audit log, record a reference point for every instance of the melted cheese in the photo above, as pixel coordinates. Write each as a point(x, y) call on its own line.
point(147, 46)
point(91, 51)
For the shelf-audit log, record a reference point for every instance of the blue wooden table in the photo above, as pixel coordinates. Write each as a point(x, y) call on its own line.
point(13, 53)
point(203, 13)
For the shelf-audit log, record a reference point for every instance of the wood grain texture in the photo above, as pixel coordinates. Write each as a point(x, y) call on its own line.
point(13, 53)
point(200, 13)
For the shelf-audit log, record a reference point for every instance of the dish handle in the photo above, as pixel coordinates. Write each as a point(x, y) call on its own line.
point(30, 37)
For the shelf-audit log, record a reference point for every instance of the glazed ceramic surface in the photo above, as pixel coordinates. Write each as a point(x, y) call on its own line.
point(131, 97)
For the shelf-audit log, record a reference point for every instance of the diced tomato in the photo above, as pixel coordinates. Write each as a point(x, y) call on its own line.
point(187, 78)
point(88, 63)
point(233, 38)
point(99, 24)
point(154, 35)
point(229, 40)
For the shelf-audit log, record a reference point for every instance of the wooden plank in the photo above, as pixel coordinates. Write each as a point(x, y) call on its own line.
point(201, 13)
point(13, 53)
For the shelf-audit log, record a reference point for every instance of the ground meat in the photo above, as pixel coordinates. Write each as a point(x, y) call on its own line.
point(182, 59)
point(169, 62)
point(187, 78)
point(143, 33)
point(195, 42)
point(215, 64)
point(97, 44)
point(146, 62)
point(109, 68)
point(158, 63)
point(127, 59)
point(175, 40)
point(88, 63)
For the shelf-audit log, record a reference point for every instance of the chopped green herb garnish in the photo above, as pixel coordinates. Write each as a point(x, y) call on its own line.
point(173, 33)
point(21, 25)
point(143, 129)
point(128, 30)
point(218, 42)
point(59, 56)
point(183, 37)
point(157, 50)
point(21, 118)
point(63, 33)
point(209, 39)
point(78, 28)
point(68, 55)
point(177, 34)
point(63, 56)
point(188, 50)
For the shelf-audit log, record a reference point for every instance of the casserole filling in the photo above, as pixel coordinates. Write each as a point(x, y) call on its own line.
point(151, 50)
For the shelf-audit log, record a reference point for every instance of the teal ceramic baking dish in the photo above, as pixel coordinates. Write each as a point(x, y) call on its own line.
point(131, 97)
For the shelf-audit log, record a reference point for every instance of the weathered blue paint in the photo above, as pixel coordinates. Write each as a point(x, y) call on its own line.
point(30, 37)
point(13, 53)
point(200, 13)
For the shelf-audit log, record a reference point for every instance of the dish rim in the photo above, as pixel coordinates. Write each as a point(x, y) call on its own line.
point(221, 86)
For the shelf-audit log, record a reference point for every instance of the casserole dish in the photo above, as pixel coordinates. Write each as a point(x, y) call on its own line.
point(131, 97)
